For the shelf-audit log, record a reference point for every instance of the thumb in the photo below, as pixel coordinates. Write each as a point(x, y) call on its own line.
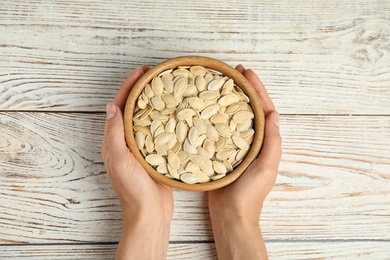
point(114, 135)
point(271, 152)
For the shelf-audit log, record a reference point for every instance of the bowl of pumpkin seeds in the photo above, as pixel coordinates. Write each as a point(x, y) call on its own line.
point(194, 123)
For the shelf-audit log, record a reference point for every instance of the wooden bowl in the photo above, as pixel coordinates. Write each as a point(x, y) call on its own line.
point(228, 71)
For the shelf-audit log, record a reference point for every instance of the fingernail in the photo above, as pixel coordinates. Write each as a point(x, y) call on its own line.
point(144, 67)
point(276, 119)
point(110, 111)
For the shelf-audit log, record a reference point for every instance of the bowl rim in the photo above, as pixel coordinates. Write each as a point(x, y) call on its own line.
point(226, 70)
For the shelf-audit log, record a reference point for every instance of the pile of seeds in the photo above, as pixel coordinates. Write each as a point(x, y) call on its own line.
point(193, 124)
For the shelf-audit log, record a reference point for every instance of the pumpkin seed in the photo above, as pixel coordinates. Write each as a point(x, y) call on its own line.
point(162, 168)
point(219, 167)
point(242, 117)
point(197, 159)
point(157, 103)
point(165, 72)
point(202, 177)
point(179, 87)
point(209, 111)
point(200, 83)
point(240, 143)
point(186, 113)
point(167, 80)
point(191, 167)
point(140, 140)
point(193, 135)
point(198, 70)
point(216, 84)
point(209, 95)
point(173, 160)
point(208, 168)
point(200, 125)
point(155, 159)
point(193, 124)
point(157, 86)
point(189, 178)
point(181, 131)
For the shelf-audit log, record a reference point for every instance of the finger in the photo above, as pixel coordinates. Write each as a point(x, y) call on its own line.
point(114, 132)
point(266, 101)
point(145, 67)
point(127, 85)
point(240, 68)
point(271, 152)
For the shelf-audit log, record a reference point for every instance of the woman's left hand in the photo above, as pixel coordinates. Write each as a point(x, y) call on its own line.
point(147, 206)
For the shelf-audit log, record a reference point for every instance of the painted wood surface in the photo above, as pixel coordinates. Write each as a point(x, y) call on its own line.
point(277, 251)
point(326, 57)
point(325, 65)
point(333, 182)
point(103, 252)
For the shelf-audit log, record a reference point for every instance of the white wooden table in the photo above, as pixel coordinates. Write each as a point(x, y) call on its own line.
point(325, 63)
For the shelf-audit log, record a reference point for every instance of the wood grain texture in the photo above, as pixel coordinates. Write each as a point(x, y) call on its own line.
point(206, 251)
point(333, 180)
point(321, 61)
point(175, 251)
point(324, 57)
point(329, 250)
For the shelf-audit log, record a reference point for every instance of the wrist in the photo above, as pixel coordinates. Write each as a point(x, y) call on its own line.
point(235, 217)
point(138, 211)
point(145, 235)
point(145, 217)
point(231, 223)
point(238, 237)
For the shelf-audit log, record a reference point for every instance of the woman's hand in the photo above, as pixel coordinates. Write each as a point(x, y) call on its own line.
point(147, 206)
point(235, 209)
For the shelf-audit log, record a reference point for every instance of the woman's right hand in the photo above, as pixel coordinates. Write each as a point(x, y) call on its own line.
point(235, 209)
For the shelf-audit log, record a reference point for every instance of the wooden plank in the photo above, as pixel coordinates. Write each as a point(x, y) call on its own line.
point(333, 182)
point(75, 251)
point(328, 57)
point(277, 250)
point(53, 181)
point(329, 250)
point(334, 179)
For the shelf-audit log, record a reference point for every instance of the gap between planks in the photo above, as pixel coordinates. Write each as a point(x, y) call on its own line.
point(178, 242)
point(102, 112)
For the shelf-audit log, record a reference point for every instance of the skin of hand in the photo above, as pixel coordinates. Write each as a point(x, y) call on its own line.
point(147, 206)
point(235, 209)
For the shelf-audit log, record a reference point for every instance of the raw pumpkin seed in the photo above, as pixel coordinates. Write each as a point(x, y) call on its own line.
point(193, 124)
